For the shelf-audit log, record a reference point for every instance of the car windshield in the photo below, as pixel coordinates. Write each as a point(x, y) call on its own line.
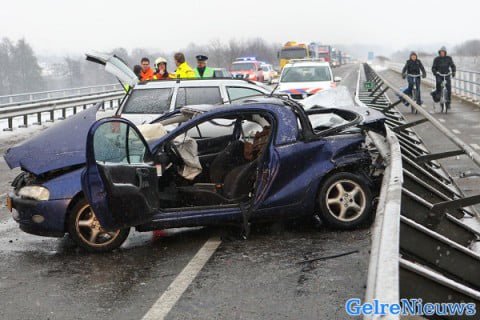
point(293, 53)
point(306, 74)
point(148, 101)
point(243, 66)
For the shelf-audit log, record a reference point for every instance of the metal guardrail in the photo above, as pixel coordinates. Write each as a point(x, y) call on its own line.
point(30, 97)
point(465, 85)
point(383, 271)
point(437, 262)
point(53, 105)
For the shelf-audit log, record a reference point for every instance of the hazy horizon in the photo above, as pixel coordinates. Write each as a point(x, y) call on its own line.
point(74, 27)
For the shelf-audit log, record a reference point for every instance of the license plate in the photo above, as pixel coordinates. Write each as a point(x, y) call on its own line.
point(9, 203)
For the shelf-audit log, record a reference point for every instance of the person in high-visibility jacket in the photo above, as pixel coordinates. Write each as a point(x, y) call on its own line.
point(183, 69)
point(147, 73)
point(202, 71)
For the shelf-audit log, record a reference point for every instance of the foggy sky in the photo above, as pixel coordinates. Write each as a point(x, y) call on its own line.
point(58, 27)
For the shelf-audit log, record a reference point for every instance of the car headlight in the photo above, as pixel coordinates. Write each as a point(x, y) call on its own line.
point(34, 192)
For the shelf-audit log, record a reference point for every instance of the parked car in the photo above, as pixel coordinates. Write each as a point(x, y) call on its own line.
point(268, 72)
point(222, 73)
point(276, 161)
point(305, 77)
point(148, 100)
point(247, 68)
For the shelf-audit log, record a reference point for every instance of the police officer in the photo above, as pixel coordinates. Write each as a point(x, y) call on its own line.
point(202, 71)
point(443, 64)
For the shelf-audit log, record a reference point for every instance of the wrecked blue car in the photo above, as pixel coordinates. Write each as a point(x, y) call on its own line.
point(261, 159)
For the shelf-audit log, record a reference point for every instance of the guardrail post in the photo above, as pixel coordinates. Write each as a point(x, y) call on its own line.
point(25, 121)
point(84, 106)
point(52, 116)
point(10, 124)
point(64, 114)
point(39, 118)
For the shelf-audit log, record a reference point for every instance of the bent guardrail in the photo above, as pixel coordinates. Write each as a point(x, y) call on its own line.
point(438, 229)
point(51, 106)
point(465, 85)
point(383, 270)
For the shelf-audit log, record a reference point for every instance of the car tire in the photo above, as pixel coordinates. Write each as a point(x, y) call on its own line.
point(86, 232)
point(345, 201)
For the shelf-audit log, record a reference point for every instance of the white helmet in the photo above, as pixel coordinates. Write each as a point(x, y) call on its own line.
point(160, 60)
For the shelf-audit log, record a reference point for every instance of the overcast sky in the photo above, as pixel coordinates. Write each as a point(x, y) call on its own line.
point(74, 26)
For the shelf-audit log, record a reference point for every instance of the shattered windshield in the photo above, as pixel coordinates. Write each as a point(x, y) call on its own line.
point(149, 101)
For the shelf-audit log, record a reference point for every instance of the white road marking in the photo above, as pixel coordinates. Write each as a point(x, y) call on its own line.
point(169, 298)
point(475, 146)
point(441, 120)
point(456, 131)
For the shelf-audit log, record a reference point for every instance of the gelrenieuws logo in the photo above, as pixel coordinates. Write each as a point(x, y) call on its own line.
point(409, 307)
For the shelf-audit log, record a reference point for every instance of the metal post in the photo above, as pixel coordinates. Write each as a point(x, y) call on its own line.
point(10, 124)
point(474, 87)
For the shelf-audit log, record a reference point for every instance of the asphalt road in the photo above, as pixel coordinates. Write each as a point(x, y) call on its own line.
point(264, 277)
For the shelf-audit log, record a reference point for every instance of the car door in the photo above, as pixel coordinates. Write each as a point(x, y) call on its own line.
point(120, 180)
point(114, 65)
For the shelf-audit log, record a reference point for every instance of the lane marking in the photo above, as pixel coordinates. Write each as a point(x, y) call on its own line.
point(475, 146)
point(441, 120)
point(456, 131)
point(169, 298)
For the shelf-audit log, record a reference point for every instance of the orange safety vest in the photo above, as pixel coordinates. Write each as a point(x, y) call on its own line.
point(147, 75)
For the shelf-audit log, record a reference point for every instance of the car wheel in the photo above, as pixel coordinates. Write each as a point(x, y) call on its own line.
point(85, 230)
point(345, 201)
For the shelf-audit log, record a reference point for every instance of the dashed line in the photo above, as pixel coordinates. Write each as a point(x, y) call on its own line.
point(456, 131)
point(169, 298)
point(441, 120)
point(475, 146)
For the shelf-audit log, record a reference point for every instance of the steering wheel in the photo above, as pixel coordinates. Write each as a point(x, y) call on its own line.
point(172, 151)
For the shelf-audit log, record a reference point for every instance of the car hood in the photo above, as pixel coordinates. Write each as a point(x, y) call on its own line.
point(60, 146)
point(340, 98)
point(303, 87)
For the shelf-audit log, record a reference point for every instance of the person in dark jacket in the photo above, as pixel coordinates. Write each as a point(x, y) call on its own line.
point(413, 67)
point(443, 64)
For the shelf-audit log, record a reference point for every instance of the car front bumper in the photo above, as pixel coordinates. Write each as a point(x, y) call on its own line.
point(44, 218)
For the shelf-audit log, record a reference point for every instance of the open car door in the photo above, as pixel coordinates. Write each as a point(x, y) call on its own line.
point(120, 181)
point(114, 65)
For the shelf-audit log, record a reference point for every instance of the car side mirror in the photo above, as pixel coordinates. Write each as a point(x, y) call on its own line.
point(275, 81)
point(337, 79)
point(260, 69)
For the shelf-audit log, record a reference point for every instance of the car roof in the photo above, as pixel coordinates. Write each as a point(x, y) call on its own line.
point(307, 64)
point(194, 82)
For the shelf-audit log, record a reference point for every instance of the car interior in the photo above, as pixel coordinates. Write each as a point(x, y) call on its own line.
point(225, 154)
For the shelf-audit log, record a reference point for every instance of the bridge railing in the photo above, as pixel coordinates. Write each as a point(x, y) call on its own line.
point(465, 85)
point(21, 98)
point(51, 107)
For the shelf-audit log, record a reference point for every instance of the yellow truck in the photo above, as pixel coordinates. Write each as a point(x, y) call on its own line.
point(292, 50)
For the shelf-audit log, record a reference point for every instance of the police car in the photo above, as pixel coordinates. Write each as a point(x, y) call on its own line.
point(301, 78)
